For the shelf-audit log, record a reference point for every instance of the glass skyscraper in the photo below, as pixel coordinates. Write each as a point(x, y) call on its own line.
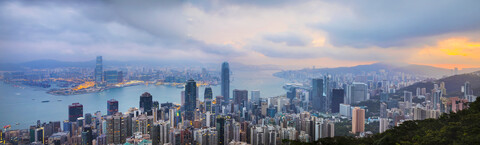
point(74, 111)
point(99, 70)
point(190, 99)
point(225, 76)
point(146, 103)
point(112, 107)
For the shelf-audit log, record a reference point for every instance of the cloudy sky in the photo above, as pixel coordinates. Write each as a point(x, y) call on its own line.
point(298, 33)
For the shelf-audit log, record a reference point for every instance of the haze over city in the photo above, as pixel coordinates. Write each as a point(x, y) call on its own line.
point(290, 34)
point(239, 72)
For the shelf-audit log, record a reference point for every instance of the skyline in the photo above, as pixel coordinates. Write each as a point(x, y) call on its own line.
point(291, 34)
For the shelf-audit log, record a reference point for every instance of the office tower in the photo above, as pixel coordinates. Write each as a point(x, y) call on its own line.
point(220, 130)
point(292, 93)
point(87, 136)
point(40, 135)
point(99, 70)
point(88, 118)
point(358, 120)
point(359, 92)
point(240, 97)
point(207, 97)
point(467, 90)
point(182, 98)
point(255, 96)
point(225, 76)
point(74, 111)
point(319, 97)
point(348, 94)
point(383, 110)
point(384, 124)
point(112, 107)
point(337, 99)
point(146, 103)
point(190, 99)
point(437, 94)
point(407, 98)
point(345, 110)
point(112, 77)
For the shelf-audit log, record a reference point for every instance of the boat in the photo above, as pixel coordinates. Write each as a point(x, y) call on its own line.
point(180, 86)
point(45, 101)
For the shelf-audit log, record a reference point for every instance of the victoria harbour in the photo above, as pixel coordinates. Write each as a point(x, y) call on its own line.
point(23, 105)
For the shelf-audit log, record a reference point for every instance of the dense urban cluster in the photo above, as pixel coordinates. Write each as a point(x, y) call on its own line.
point(307, 113)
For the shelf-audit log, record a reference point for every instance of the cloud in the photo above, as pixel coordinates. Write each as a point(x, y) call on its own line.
point(398, 23)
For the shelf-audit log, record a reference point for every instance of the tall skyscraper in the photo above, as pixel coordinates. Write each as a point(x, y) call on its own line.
point(225, 76)
point(359, 92)
point(74, 111)
point(190, 99)
point(407, 98)
point(319, 97)
point(337, 99)
point(255, 96)
point(220, 130)
point(467, 90)
point(384, 124)
point(437, 94)
point(99, 70)
point(87, 136)
point(358, 120)
point(112, 107)
point(240, 97)
point(207, 97)
point(146, 103)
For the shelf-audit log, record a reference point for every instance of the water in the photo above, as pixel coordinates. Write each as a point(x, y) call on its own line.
point(24, 105)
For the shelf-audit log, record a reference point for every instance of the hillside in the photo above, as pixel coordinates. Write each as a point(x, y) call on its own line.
point(453, 84)
point(462, 127)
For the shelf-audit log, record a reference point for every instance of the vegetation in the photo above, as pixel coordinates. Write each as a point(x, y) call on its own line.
point(462, 127)
point(373, 107)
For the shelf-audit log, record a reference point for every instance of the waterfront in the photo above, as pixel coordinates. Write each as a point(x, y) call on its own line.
point(24, 105)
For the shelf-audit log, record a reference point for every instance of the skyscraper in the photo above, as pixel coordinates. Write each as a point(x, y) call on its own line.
point(87, 135)
point(225, 76)
point(146, 103)
point(359, 92)
point(99, 70)
point(240, 97)
point(358, 120)
point(190, 99)
point(112, 107)
point(407, 98)
point(74, 111)
point(319, 97)
point(255, 96)
point(207, 97)
point(220, 130)
point(337, 99)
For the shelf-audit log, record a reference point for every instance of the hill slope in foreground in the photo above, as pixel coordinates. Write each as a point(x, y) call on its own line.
point(462, 127)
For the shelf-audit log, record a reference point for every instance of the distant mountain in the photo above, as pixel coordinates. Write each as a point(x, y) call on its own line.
point(453, 84)
point(422, 70)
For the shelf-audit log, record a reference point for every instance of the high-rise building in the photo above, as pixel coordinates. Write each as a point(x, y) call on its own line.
point(337, 99)
point(384, 124)
point(319, 97)
point(112, 107)
point(255, 96)
point(207, 97)
point(99, 70)
point(292, 93)
point(407, 98)
point(146, 103)
point(437, 94)
point(74, 111)
point(359, 92)
point(117, 128)
point(87, 136)
point(220, 130)
point(358, 120)
point(113, 77)
point(240, 97)
point(225, 76)
point(467, 90)
point(190, 99)
point(383, 110)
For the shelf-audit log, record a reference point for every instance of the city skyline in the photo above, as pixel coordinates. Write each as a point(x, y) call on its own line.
point(291, 34)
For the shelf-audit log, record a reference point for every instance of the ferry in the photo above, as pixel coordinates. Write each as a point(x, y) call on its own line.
point(180, 86)
point(46, 101)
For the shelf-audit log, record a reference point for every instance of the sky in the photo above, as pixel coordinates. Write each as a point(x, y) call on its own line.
point(290, 34)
